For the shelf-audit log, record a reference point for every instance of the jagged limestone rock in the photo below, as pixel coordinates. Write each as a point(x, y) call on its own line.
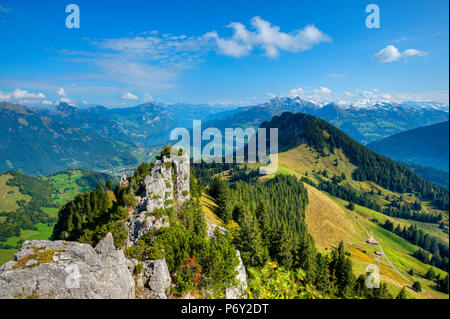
point(141, 224)
point(61, 270)
point(153, 281)
point(166, 186)
point(159, 186)
point(238, 292)
point(182, 174)
point(158, 277)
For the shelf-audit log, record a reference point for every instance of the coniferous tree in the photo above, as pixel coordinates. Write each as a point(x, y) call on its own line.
point(250, 242)
point(264, 222)
point(401, 294)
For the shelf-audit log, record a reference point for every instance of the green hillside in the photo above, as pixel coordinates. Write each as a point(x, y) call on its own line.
point(29, 205)
point(329, 161)
point(38, 145)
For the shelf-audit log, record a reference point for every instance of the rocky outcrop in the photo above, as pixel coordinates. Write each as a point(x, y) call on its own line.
point(141, 223)
point(124, 180)
point(166, 186)
point(239, 291)
point(60, 269)
point(182, 174)
point(152, 280)
point(159, 186)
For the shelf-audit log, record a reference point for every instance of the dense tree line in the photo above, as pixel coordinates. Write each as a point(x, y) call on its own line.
point(91, 215)
point(439, 251)
point(406, 211)
point(370, 165)
point(37, 188)
point(271, 226)
point(347, 194)
point(24, 218)
point(28, 214)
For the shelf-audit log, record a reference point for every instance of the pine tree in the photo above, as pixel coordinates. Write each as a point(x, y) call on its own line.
point(264, 222)
point(199, 220)
point(401, 294)
point(417, 287)
point(250, 242)
point(430, 275)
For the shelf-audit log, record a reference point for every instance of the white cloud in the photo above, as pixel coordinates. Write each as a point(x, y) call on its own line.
point(347, 93)
point(147, 97)
point(150, 61)
point(295, 92)
point(392, 54)
point(19, 94)
point(129, 96)
point(47, 102)
point(323, 90)
point(229, 47)
point(67, 100)
point(61, 92)
point(63, 98)
point(268, 38)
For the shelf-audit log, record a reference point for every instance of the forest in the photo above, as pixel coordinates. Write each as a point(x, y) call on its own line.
point(370, 165)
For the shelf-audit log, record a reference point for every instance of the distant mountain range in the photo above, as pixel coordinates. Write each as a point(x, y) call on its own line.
point(43, 141)
point(149, 123)
point(365, 121)
point(427, 146)
point(39, 145)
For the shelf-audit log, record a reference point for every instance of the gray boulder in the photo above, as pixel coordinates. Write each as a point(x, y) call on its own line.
point(158, 277)
point(153, 281)
point(67, 270)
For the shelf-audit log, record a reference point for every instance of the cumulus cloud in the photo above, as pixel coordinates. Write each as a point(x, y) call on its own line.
point(150, 61)
point(267, 37)
point(323, 90)
point(129, 96)
point(19, 94)
point(347, 93)
point(147, 97)
point(392, 54)
point(63, 98)
point(295, 92)
point(61, 92)
point(47, 102)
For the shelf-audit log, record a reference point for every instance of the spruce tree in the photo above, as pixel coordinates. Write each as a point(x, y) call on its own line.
point(250, 242)
point(401, 294)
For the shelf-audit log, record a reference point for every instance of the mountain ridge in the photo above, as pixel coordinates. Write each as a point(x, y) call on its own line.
point(37, 144)
point(426, 145)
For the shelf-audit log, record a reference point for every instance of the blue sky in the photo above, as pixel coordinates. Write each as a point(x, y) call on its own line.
point(222, 52)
